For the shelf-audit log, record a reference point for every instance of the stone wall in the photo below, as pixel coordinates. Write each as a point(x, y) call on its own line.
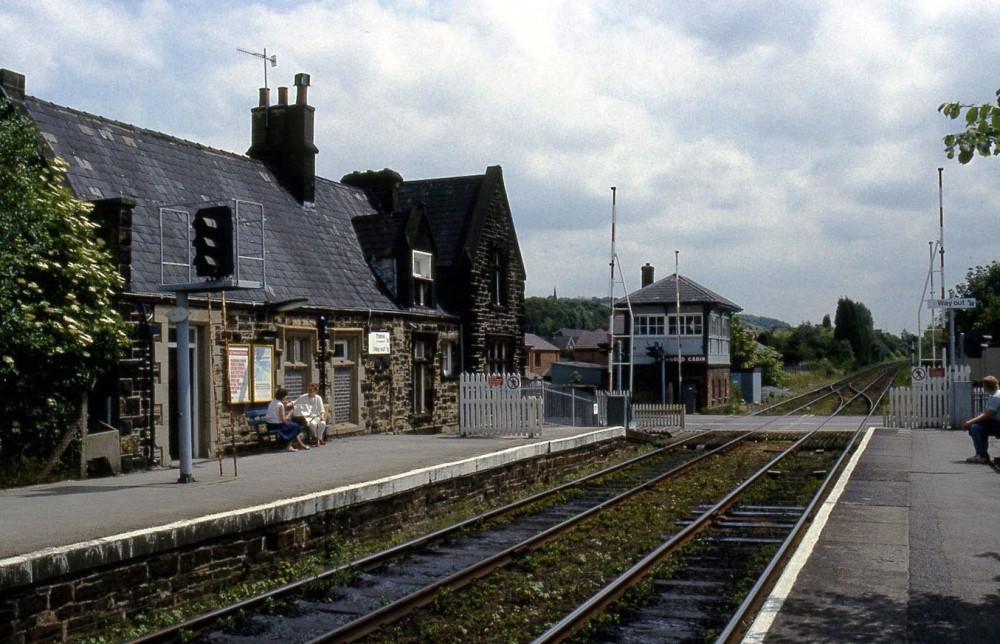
point(484, 317)
point(81, 604)
point(384, 384)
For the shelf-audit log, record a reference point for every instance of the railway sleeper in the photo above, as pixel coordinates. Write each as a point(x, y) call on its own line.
point(726, 524)
point(744, 539)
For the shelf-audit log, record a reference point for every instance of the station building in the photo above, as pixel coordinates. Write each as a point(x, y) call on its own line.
point(381, 294)
point(700, 328)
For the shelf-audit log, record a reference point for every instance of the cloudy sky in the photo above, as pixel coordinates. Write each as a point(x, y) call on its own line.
point(788, 150)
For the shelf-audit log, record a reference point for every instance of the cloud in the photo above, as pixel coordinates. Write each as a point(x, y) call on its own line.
point(788, 150)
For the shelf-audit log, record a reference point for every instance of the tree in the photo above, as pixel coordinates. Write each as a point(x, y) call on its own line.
point(982, 283)
point(853, 323)
point(544, 315)
point(747, 353)
point(982, 130)
point(59, 330)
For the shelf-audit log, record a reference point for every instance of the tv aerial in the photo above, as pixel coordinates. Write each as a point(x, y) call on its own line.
point(273, 59)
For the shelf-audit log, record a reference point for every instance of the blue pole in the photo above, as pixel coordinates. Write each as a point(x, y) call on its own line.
point(183, 391)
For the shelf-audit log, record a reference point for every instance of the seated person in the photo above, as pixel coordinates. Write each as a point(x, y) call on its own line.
point(308, 410)
point(985, 424)
point(277, 419)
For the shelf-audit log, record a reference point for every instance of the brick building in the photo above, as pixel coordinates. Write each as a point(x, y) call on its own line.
point(386, 342)
point(540, 356)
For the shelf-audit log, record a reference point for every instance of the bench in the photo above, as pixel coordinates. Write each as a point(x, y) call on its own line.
point(256, 422)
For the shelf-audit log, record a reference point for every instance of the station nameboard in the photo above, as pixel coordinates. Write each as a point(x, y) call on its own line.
point(953, 303)
point(379, 343)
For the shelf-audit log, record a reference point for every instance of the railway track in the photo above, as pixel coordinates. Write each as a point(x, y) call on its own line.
point(844, 389)
point(364, 598)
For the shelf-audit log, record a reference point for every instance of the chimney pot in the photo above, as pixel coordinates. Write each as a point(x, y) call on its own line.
point(302, 89)
point(647, 275)
point(265, 97)
point(282, 96)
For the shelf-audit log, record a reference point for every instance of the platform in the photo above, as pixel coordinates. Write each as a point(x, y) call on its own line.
point(52, 529)
point(910, 551)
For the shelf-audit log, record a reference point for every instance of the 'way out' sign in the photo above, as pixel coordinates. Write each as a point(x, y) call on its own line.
point(953, 303)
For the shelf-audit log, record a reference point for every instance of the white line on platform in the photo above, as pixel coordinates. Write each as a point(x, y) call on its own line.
point(772, 606)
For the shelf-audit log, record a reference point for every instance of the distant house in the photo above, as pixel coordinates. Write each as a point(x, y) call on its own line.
point(583, 345)
point(591, 346)
point(541, 354)
point(700, 330)
point(382, 302)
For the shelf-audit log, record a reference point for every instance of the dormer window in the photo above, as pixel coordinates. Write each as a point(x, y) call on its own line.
point(422, 265)
point(423, 277)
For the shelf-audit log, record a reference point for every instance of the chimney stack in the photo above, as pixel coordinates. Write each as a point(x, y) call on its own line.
point(282, 137)
point(647, 275)
point(12, 85)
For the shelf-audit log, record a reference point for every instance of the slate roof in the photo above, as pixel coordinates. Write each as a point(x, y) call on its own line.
point(663, 291)
point(312, 251)
point(596, 339)
point(538, 343)
point(377, 234)
point(449, 203)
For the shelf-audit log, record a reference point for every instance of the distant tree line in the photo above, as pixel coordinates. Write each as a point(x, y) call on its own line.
point(850, 340)
point(544, 315)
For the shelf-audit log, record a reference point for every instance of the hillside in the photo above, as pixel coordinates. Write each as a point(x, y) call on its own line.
point(761, 323)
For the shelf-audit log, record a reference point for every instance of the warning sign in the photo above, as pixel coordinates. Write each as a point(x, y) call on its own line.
point(918, 374)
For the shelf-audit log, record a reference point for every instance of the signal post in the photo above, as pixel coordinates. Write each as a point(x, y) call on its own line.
point(214, 258)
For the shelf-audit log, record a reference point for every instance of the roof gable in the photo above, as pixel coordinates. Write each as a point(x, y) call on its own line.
point(537, 343)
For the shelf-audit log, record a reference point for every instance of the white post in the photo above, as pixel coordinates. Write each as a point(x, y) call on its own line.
point(677, 297)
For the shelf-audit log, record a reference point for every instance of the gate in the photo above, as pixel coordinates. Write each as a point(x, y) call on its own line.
point(655, 416)
point(925, 404)
point(492, 405)
point(564, 404)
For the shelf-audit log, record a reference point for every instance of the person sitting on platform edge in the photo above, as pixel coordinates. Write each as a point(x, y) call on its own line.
point(276, 418)
point(985, 424)
point(308, 410)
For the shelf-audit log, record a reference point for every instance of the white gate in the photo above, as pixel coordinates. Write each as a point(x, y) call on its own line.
point(926, 403)
point(492, 405)
point(656, 416)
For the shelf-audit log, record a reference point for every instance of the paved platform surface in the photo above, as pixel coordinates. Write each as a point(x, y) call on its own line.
point(58, 514)
point(911, 552)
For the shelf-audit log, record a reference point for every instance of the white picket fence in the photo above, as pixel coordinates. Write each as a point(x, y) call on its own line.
point(656, 416)
point(925, 404)
point(492, 405)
